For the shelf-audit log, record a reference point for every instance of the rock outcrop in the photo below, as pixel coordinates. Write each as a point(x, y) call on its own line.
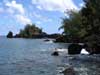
point(74, 49)
point(10, 35)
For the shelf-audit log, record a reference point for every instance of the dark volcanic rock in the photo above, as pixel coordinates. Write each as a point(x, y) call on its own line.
point(46, 40)
point(54, 36)
point(17, 36)
point(41, 35)
point(74, 49)
point(55, 53)
point(97, 50)
point(69, 71)
point(10, 35)
point(60, 39)
point(94, 50)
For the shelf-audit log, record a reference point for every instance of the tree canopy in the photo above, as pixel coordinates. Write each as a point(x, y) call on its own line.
point(84, 25)
point(91, 22)
point(72, 26)
point(29, 31)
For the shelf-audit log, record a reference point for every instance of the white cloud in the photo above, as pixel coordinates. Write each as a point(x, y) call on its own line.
point(55, 5)
point(10, 11)
point(17, 10)
point(36, 15)
point(15, 6)
point(23, 19)
point(42, 18)
point(39, 7)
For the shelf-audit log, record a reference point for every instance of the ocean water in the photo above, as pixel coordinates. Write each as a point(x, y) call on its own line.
point(33, 57)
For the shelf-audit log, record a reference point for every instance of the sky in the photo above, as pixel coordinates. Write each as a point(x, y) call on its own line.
point(46, 14)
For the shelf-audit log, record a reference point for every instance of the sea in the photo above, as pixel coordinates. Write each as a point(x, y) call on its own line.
point(19, 56)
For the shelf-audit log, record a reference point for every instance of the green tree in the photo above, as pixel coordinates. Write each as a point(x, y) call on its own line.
point(72, 26)
point(91, 22)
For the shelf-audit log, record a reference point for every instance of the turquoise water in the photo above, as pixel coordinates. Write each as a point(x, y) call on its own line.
point(33, 57)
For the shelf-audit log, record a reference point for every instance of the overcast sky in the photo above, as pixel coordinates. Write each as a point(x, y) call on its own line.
point(46, 14)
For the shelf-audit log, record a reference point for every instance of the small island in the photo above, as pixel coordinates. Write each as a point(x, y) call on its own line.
point(32, 31)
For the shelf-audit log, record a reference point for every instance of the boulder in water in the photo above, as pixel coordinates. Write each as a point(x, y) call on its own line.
point(55, 53)
point(69, 71)
point(74, 49)
point(46, 40)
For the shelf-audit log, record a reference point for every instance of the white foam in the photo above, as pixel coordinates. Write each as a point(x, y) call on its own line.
point(83, 51)
point(50, 41)
point(61, 50)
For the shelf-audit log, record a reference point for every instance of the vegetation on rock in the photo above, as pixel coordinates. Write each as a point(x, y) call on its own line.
point(10, 35)
point(30, 31)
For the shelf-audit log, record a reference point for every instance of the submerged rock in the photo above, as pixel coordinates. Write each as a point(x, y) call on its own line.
point(55, 53)
point(46, 40)
point(69, 71)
